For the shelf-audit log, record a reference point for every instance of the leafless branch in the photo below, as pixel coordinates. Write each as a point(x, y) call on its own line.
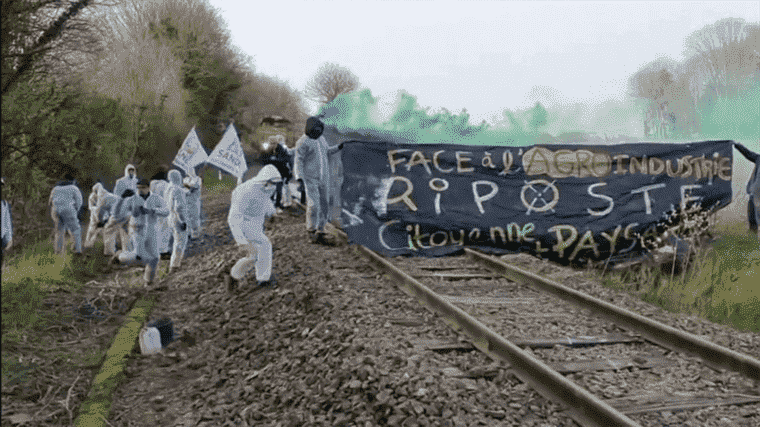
point(330, 81)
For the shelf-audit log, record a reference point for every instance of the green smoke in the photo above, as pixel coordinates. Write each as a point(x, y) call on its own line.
point(736, 117)
point(360, 115)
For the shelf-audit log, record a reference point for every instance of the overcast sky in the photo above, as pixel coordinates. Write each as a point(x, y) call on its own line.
point(482, 56)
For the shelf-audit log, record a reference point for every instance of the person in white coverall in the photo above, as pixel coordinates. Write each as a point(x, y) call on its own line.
point(177, 204)
point(312, 166)
point(251, 204)
point(100, 203)
point(106, 202)
point(127, 182)
point(65, 202)
point(158, 184)
point(193, 184)
point(146, 208)
point(7, 222)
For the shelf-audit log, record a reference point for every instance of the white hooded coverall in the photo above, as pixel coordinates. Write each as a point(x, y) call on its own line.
point(193, 184)
point(126, 229)
point(177, 204)
point(100, 203)
point(311, 165)
point(146, 212)
point(158, 187)
point(65, 202)
point(251, 203)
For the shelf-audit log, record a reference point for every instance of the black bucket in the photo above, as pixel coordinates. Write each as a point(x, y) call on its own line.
point(165, 328)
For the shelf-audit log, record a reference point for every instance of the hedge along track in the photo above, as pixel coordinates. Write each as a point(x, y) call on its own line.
point(636, 338)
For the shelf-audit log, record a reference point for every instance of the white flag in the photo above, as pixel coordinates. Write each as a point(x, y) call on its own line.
point(228, 154)
point(191, 153)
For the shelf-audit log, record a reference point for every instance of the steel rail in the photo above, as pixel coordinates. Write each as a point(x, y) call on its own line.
point(582, 406)
point(656, 332)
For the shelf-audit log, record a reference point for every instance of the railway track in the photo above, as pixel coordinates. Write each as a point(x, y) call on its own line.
point(605, 365)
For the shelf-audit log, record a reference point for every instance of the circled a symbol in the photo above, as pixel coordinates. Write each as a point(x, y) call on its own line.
point(537, 196)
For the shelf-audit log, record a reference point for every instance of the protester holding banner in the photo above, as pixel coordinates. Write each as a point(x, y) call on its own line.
point(312, 165)
point(177, 204)
point(251, 204)
point(753, 188)
point(146, 208)
point(65, 203)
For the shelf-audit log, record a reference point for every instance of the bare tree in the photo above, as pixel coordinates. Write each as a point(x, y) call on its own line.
point(727, 52)
point(655, 84)
point(42, 37)
point(330, 81)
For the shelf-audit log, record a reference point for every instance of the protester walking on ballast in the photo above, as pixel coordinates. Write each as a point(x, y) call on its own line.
point(251, 204)
point(145, 208)
point(65, 203)
point(177, 204)
point(311, 165)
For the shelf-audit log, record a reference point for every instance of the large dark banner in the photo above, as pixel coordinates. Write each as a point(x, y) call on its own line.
point(564, 202)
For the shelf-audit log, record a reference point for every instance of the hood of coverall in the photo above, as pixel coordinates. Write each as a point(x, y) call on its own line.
point(126, 170)
point(97, 188)
point(266, 173)
point(314, 128)
point(175, 177)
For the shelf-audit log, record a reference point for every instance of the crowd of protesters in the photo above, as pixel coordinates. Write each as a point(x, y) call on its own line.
point(144, 221)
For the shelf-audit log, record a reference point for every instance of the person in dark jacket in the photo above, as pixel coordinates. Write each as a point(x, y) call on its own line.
point(282, 159)
point(753, 188)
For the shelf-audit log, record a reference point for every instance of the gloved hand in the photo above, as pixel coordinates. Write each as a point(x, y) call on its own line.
point(127, 193)
point(340, 146)
point(101, 224)
point(183, 226)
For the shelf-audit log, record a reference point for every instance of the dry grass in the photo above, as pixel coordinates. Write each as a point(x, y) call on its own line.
point(717, 279)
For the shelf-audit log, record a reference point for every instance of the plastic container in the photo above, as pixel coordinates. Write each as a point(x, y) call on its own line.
point(150, 340)
point(165, 328)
